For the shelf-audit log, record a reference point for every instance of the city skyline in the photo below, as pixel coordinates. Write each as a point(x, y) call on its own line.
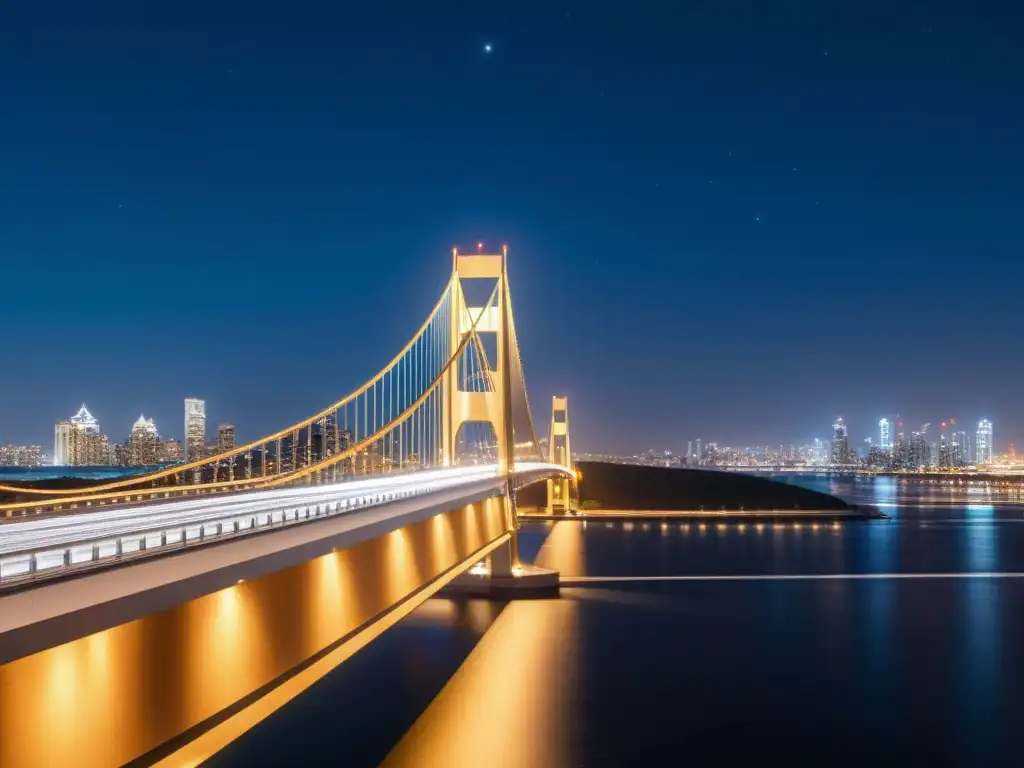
point(224, 436)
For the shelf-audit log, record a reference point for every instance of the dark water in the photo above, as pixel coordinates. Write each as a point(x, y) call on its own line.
point(814, 671)
point(31, 474)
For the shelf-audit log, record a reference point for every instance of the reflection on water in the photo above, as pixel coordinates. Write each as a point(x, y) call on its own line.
point(981, 627)
point(475, 615)
point(895, 492)
point(108, 698)
point(812, 672)
point(510, 703)
point(564, 549)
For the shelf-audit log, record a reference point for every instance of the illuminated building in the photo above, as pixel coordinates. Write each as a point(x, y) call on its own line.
point(172, 449)
point(946, 452)
point(225, 437)
point(877, 458)
point(195, 429)
point(841, 453)
point(983, 443)
point(963, 443)
point(900, 451)
point(62, 443)
point(21, 455)
point(885, 435)
point(919, 455)
point(78, 442)
point(329, 435)
point(143, 444)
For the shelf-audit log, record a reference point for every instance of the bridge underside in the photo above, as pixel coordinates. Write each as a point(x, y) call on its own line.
point(165, 681)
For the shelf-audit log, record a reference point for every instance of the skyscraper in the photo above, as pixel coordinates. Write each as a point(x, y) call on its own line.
point(919, 452)
point(78, 442)
point(195, 429)
point(983, 443)
point(947, 451)
point(885, 435)
point(172, 449)
point(841, 453)
point(61, 443)
point(143, 444)
point(963, 441)
point(225, 437)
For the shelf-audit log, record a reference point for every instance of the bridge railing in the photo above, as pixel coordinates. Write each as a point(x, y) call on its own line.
point(98, 549)
point(25, 565)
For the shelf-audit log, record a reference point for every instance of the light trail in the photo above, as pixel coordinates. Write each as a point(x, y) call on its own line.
point(50, 537)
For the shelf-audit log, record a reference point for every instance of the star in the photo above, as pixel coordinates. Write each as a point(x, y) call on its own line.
point(488, 47)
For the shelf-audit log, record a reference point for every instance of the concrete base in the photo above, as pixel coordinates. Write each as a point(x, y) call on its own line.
point(526, 581)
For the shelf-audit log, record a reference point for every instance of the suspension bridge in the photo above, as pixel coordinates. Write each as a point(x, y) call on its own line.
point(450, 408)
point(292, 550)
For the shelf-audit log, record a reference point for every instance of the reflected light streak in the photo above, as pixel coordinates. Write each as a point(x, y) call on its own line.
point(510, 702)
point(435, 611)
point(564, 549)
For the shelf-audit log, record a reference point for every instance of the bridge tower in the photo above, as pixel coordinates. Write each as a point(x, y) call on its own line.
point(559, 494)
point(493, 406)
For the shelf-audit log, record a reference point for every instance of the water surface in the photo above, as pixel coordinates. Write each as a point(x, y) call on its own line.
point(815, 671)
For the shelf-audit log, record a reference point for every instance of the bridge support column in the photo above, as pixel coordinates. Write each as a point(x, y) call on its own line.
point(498, 576)
point(501, 574)
point(462, 404)
point(560, 490)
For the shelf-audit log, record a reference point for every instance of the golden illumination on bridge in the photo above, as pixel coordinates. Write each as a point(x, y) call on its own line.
point(110, 697)
point(490, 713)
point(115, 695)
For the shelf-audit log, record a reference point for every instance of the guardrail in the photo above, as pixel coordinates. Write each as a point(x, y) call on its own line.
point(44, 562)
point(29, 565)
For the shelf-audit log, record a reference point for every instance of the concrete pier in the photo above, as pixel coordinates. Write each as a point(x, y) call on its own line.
point(497, 578)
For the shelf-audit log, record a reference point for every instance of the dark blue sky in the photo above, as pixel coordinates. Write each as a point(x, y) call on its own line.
point(728, 220)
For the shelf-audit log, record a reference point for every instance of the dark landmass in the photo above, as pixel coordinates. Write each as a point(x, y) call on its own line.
point(624, 486)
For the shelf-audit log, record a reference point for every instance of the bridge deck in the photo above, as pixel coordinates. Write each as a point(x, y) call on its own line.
point(58, 611)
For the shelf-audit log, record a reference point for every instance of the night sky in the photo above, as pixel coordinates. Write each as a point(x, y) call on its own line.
point(727, 220)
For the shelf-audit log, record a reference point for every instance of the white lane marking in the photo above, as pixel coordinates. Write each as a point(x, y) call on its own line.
point(574, 580)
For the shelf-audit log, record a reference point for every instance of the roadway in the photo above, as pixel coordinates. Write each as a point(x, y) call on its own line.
point(29, 547)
